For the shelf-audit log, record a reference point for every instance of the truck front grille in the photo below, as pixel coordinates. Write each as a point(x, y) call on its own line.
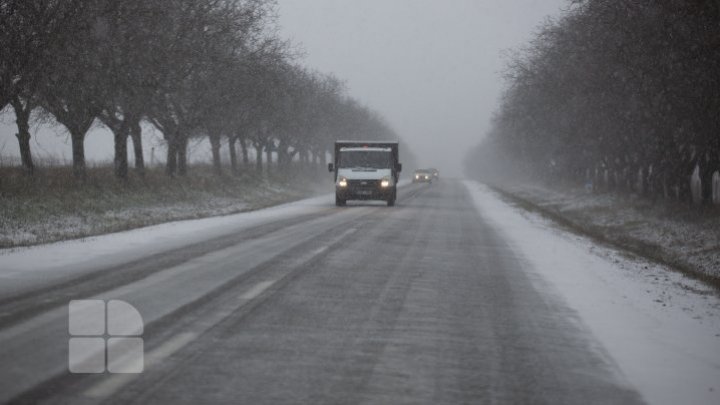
point(364, 184)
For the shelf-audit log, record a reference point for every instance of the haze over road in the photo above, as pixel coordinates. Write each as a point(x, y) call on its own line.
point(425, 302)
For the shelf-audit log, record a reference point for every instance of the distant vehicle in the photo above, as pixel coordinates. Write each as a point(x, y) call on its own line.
point(366, 171)
point(422, 176)
point(435, 173)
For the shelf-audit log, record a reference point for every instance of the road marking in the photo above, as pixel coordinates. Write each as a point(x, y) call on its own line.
point(319, 251)
point(257, 290)
point(171, 346)
point(348, 232)
point(325, 248)
point(115, 382)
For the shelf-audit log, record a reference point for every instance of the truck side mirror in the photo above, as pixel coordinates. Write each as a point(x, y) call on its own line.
point(330, 167)
point(399, 167)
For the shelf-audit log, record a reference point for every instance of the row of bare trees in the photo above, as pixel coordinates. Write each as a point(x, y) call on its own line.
point(191, 68)
point(621, 94)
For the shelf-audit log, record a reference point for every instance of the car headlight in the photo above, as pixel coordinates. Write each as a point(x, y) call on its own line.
point(417, 176)
point(385, 183)
point(342, 182)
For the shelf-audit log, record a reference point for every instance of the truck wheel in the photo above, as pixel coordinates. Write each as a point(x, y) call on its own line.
point(339, 201)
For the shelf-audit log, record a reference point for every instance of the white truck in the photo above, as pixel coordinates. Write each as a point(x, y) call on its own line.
point(366, 170)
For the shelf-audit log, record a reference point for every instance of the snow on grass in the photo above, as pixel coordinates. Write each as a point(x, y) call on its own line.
point(662, 328)
point(687, 237)
point(55, 207)
point(22, 268)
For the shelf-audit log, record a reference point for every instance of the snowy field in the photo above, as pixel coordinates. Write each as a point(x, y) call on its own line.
point(662, 329)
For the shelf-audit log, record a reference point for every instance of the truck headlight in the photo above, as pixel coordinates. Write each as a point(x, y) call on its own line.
point(385, 183)
point(342, 182)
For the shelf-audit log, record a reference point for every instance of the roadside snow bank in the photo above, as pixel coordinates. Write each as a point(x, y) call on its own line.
point(26, 267)
point(55, 206)
point(662, 328)
point(687, 238)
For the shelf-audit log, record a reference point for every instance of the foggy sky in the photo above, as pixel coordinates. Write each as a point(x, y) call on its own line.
point(430, 67)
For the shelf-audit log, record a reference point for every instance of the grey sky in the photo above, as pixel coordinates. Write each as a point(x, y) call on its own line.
point(431, 67)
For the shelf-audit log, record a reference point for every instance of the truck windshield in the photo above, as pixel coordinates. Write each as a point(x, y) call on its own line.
point(365, 159)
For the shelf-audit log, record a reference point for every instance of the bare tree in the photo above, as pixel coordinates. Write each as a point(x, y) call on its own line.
point(618, 92)
point(27, 30)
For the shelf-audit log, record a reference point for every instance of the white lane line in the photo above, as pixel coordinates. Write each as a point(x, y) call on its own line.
point(171, 346)
point(342, 236)
point(257, 290)
point(348, 232)
point(319, 251)
point(323, 249)
point(115, 382)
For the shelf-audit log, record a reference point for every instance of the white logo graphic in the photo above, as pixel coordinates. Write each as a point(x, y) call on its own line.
point(98, 330)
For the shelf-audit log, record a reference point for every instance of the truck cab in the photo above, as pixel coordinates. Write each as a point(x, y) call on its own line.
point(365, 171)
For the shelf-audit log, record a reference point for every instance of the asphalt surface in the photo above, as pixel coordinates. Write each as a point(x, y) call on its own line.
point(419, 303)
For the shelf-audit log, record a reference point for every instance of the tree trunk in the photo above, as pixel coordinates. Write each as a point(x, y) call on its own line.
point(630, 175)
point(683, 178)
point(707, 168)
point(182, 155)
point(268, 158)
point(25, 154)
point(289, 158)
point(136, 135)
point(78, 154)
point(215, 149)
point(172, 152)
point(658, 183)
point(22, 118)
point(121, 152)
point(282, 155)
point(233, 155)
point(244, 148)
point(258, 158)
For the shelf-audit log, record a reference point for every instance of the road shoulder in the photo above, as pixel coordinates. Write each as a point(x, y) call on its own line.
point(671, 234)
point(661, 327)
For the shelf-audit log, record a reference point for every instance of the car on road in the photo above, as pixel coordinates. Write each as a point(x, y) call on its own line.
point(422, 176)
point(435, 173)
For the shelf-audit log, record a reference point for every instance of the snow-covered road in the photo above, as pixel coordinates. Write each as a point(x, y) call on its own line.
point(451, 296)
